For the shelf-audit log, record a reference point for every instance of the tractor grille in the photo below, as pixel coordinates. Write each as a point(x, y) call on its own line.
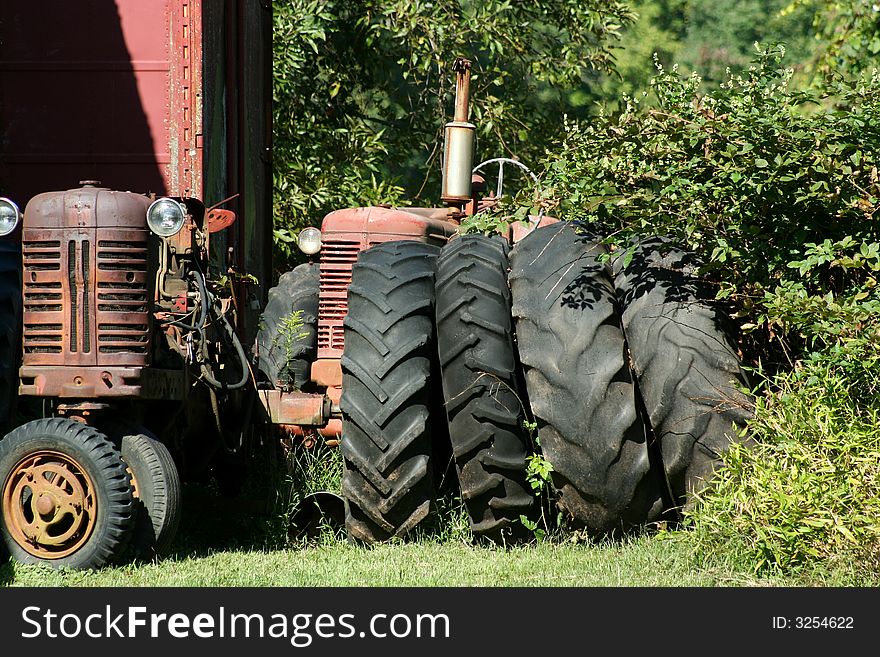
point(122, 298)
point(86, 300)
point(337, 258)
point(43, 298)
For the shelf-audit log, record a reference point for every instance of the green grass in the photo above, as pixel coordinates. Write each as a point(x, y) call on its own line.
point(220, 545)
point(639, 563)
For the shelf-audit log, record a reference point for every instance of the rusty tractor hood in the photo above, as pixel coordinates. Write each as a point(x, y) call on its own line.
point(380, 224)
point(87, 207)
point(87, 290)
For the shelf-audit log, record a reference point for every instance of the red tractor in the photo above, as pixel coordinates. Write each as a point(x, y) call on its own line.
point(370, 328)
point(415, 338)
point(124, 369)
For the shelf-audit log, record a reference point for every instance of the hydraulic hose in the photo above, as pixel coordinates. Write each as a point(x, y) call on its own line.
point(242, 358)
point(204, 302)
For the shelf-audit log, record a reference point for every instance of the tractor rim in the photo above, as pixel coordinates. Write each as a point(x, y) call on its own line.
point(49, 505)
point(135, 489)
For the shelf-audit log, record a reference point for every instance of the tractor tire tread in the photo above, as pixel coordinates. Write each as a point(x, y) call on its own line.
point(386, 374)
point(485, 407)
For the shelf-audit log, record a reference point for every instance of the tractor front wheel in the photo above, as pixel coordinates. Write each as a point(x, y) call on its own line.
point(156, 485)
point(67, 499)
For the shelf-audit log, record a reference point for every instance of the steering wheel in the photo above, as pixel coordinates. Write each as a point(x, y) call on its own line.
point(501, 161)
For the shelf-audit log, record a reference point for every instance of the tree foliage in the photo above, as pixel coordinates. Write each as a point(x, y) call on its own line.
point(722, 36)
point(848, 33)
point(362, 89)
point(742, 174)
point(659, 28)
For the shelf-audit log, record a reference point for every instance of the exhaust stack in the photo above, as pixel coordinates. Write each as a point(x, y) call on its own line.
point(458, 148)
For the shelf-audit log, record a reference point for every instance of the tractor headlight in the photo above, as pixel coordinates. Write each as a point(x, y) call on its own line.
point(309, 241)
point(10, 215)
point(165, 217)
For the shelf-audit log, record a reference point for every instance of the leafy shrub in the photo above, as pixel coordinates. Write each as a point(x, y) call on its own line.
point(777, 191)
point(809, 491)
point(746, 175)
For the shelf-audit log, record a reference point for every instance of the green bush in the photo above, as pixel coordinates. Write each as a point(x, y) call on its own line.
point(809, 492)
point(777, 191)
point(746, 175)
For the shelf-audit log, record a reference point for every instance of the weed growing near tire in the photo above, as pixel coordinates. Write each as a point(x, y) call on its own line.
point(308, 470)
point(290, 332)
point(809, 491)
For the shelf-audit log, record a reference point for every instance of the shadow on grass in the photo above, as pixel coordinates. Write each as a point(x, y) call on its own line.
point(6, 573)
point(211, 522)
point(259, 518)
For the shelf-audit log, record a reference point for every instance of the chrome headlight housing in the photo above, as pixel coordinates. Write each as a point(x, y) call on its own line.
point(10, 215)
point(166, 217)
point(309, 241)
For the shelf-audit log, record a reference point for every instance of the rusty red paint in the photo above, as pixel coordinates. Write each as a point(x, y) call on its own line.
point(327, 372)
point(519, 231)
point(344, 234)
point(333, 429)
point(298, 408)
point(85, 279)
point(93, 91)
point(100, 382)
point(184, 175)
point(219, 220)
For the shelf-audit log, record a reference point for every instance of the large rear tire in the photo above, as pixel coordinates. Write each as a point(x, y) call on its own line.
point(10, 329)
point(484, 405)
point(685, 359)
point(287, 348)
point(66, 497)
point(387, 476)
point(579, 384)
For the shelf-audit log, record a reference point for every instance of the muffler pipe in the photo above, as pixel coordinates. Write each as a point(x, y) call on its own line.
point(459, 137)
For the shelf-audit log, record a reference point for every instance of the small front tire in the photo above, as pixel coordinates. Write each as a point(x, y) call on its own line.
point(66, 496)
